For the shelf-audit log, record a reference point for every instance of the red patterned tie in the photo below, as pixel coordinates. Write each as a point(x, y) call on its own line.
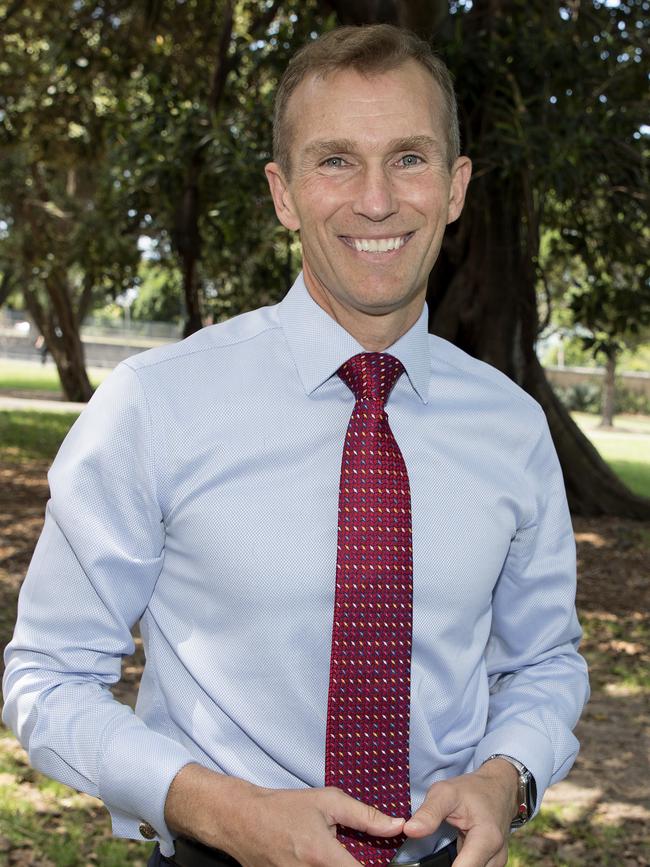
point(367, 741)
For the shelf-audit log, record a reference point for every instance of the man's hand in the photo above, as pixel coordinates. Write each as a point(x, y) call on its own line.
point(269, 827)
point(481, 805)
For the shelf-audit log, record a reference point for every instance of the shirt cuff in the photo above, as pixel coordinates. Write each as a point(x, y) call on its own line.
point(528, 746)
point(137, 769)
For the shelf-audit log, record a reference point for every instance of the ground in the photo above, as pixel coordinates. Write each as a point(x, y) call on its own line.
point(599, 816)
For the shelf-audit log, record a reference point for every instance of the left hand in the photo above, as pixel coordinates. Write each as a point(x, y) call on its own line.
point(481, 805)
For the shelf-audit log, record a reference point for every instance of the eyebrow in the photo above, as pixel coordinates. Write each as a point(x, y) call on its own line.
point(323, 148)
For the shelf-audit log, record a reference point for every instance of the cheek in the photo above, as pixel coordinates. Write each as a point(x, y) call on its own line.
point(427, 193)
point(318, 200)
point(430, 202)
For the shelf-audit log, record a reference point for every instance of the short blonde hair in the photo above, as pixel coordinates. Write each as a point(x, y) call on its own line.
point(369, 49)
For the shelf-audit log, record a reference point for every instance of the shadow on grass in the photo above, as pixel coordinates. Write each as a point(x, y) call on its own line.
point(29, 435)
point(559, 839)
point(634, 474)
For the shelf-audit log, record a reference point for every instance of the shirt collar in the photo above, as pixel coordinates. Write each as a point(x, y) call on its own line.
point(319, 345)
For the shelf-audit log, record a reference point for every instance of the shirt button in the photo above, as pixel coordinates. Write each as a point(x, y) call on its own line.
point(147, 831)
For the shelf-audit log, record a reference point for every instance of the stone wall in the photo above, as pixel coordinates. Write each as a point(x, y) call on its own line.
point(638, 383)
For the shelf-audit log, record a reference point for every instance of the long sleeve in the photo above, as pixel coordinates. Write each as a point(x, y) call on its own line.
point(91, 576)
point(538, 681)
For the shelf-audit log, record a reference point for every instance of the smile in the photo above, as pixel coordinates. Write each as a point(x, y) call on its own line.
point(377, 245)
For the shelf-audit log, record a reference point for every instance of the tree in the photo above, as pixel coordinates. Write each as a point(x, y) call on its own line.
point(119, 119)
point(165, 127)
point(200, 133)
point(66, 243)
point(160, 293)
point(603, 298)
point(533, 80)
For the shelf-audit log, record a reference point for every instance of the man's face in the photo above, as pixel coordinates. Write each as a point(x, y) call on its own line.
point(370, 189)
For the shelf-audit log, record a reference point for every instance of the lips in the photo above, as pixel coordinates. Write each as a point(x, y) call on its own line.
point(386, 244)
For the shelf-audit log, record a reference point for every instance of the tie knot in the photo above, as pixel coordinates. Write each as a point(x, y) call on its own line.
point(371, 375)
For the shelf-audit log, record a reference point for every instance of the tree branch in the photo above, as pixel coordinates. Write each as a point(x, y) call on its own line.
point(223, 64)
point(86, 299)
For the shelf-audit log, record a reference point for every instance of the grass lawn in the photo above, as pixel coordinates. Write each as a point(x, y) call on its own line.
point(27, 435)
point(33, 376)
point(626, 448)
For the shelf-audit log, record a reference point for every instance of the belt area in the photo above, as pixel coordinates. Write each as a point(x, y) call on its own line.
point(192, 854)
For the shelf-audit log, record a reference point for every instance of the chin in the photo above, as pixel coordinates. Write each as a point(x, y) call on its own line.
point(381, 298)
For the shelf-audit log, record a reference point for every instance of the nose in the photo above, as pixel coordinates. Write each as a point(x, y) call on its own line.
point(374, 197)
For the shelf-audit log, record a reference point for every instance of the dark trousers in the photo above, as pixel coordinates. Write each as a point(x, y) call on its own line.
point(158, 860)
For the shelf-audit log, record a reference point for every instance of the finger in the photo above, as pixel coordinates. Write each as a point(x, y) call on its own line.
point(439, 803)
point(499, 860)
point(317, 851)
point(346, 810)
point(335, 855)
point(483, 846)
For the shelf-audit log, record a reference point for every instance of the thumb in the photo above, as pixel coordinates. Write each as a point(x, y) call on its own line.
point(346, 810)
point(438, 804)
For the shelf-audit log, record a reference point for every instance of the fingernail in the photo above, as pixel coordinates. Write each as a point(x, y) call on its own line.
point(415, 824)
point(395, 820)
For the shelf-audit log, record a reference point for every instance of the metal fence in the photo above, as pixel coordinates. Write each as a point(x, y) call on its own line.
point(19, 322)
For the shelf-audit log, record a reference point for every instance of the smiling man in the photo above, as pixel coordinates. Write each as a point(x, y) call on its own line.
point(360, 631)
point(369, 178)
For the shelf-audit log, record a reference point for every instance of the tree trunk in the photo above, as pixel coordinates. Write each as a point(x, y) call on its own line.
point(592, 488)
point(482, 298)
point(609, 391)
point(7, 285)
point(60, 329)
point(68, 355)
point(482, 291)
point(187, 233)
point(187, 240)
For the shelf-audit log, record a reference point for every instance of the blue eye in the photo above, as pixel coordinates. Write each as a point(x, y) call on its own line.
point(410, 160)
point(334, 162)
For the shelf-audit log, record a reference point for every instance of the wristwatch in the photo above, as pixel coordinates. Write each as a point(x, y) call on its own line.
point(526, 793)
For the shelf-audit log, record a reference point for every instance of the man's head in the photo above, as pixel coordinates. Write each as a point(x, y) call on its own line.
point(369, 50)
point(369, 181)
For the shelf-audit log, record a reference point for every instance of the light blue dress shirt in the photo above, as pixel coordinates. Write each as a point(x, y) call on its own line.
point(198, 494)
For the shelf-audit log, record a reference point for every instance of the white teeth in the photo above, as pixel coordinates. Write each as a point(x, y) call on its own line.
point(382, 245)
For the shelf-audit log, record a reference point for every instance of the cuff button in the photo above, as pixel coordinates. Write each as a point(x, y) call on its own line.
point(146, 831)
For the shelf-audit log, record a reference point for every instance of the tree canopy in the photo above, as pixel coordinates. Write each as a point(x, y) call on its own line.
point(124, 119)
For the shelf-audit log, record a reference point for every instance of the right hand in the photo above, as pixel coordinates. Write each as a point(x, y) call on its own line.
point(269, 827)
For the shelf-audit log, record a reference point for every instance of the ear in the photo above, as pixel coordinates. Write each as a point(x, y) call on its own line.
point(282, 198)
point(461, 174)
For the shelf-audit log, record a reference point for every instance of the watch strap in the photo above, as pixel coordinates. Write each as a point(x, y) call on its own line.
point(526, 792)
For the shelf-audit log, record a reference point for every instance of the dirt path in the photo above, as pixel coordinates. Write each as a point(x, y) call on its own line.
point(599, 816)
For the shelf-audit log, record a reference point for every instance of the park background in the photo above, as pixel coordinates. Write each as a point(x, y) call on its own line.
point(133, 210)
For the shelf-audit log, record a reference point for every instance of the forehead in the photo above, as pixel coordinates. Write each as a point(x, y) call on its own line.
point(402, 102)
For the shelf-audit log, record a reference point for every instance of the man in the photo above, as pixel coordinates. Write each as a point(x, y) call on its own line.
point(389, 610)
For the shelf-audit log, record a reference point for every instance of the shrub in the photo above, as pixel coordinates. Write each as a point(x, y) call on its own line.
point(586, 397)
point(580, 398)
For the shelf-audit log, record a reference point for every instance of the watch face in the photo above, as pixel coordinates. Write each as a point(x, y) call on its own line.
point(525, 799)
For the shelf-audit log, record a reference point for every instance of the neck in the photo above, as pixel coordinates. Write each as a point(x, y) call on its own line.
point(374, 331)
point(377, 332)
